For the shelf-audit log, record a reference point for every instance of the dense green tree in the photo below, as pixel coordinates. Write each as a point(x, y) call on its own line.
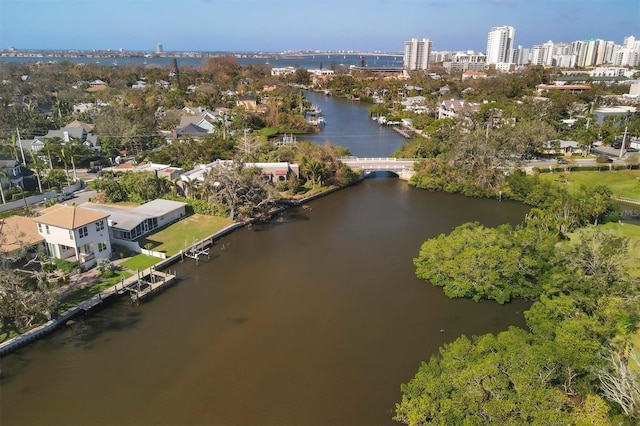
point(594, 263)
point(301, 76)
point(142, 187)
point(479, 262)
point(491, 379)
point(56, 179)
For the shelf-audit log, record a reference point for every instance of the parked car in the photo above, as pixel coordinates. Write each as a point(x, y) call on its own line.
point(64, 197)
point(561, 160)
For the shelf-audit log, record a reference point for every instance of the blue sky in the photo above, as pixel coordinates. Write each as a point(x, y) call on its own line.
point(278, 25)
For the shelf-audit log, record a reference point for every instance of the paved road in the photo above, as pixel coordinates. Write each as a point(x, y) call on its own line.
point(576, 162)
point(83, 196)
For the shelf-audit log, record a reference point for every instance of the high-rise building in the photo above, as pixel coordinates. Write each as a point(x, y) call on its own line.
point(159, 49)
point(416, 54)
point(500, 45)
point(542, 54)
point(628, 54)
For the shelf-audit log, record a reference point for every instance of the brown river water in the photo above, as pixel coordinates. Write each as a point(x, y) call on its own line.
point(314, 319)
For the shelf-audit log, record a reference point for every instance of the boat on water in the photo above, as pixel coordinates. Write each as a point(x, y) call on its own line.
point(314, 110)
point(314, 116)
point(316, 121)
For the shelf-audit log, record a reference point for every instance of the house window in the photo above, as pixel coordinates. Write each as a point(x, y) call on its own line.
point(47, 228)
point(71, 234)
point(100, 225)
point(83, 232)
point(102, 246)
point(40, 228)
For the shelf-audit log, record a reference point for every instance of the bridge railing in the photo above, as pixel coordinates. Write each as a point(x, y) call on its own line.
point(386, 159)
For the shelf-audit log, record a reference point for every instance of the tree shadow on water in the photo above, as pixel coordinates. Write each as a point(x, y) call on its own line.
point(85, 331)
point(289, 216)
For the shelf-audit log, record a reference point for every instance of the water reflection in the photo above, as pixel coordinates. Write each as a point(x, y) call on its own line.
point(315, 319)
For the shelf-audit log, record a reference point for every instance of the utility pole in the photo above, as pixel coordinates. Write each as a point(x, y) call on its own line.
point(13, 138)
point(247, 148)
point(21, 149)
point(624, 141)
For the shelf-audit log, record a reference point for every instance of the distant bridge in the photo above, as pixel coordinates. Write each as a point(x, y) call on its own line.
point(403, 167)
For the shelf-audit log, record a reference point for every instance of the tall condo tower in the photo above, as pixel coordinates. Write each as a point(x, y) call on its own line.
point(500, 45)
point(159, 49)
point(416, 54)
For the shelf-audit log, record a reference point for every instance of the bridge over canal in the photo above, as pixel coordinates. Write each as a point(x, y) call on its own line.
point(403, 167)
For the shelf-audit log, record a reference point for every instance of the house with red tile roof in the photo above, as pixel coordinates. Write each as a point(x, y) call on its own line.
point(473, 74)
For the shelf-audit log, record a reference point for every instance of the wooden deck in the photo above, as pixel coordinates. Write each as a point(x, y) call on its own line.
point(138, 286)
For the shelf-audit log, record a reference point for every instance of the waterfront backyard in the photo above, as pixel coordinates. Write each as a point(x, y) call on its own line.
point(169, 240)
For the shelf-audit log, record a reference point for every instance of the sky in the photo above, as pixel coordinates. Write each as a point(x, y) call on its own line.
point(325, 25)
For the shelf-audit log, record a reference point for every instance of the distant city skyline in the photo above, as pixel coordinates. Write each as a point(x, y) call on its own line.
point(328, 25)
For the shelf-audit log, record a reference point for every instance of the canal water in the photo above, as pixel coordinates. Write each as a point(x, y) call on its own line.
point(348, 124)
point(315, 318)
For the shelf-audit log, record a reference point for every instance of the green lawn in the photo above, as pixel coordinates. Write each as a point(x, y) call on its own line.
point(140, 262)
point(86, 293)
point(192, 229)
point(623, 183)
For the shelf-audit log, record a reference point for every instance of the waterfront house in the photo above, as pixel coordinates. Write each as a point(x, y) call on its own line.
point(127, 225)
point(452, 108)
point(273, 172)
point(416, 104)
point(75, 233)
point(276, 172)
point(160, 170)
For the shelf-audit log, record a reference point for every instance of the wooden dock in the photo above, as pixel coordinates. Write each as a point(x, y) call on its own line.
point(138, 286)
point(146, 283)
point(196, 250)
point(141, 285)
point(406, 133)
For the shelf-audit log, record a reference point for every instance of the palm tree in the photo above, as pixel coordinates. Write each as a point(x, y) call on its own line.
point(314, 171)
point(52, 146)
point(171, 185)
point(74, 151)
point(190, 188)
point(38, 164)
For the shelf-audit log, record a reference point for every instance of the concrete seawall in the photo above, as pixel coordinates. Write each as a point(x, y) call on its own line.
point(114, 292)
point(85, 306)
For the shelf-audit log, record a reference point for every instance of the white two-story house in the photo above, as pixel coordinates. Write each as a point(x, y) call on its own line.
point(75, 233)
